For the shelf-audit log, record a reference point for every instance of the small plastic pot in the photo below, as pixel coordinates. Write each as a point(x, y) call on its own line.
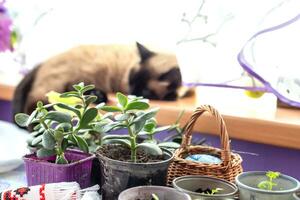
point(189, 184)
point(117, 176)
point(284, 190)
point(40, 171)
point(145, 193)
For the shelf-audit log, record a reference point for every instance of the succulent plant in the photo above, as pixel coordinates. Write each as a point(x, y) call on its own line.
point(134, 114)
point(59, 125)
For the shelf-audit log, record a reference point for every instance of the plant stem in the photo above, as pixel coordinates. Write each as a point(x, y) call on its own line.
point(132, 143)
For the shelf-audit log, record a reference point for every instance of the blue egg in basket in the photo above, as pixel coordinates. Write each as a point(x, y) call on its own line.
point(204, 158)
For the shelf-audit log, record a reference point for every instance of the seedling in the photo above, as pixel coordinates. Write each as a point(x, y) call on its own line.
point(154, 197)
point(268, 184)
point(212, 191)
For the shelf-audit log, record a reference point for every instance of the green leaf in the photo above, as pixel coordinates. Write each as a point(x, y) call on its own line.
point(67, 107)
point(108, 137)
point(48, 140)
point(172, 145)
point(100, 105)
point(41, 153)
point(137, 105)
point(81, 143)
point(37, 140)
point(122, 117)
point(155, 197)
point(147, 115)
point(153, 141)
point(78, 87)
point(122, 99)
point(35, 134)
point(143, 133)
point(88, 116)
point(69, 94)
point(37, 127)
point(90, 99)
point(87, 88)
point(111, 109)
point(59, 117)
point(65, 127)
point(162, 128)
point(150, 148)
point(118, 141)
point(64, 144)
point(112, 126)
point(21, 119)
point(60, 159)
point(149, 126)
point(31, 117)
point(138, 126)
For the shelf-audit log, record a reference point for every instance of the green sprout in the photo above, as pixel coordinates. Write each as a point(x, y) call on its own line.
point(213, 191)
point(56, 130)
point(268, 184)
point(154, 197)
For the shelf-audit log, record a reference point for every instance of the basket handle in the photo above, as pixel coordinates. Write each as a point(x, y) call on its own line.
point(225, 143)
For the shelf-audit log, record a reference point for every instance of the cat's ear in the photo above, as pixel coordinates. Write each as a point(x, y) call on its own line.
point(144, 52)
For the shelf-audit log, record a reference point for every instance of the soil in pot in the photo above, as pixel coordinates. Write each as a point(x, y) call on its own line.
point(121, 153)
point(119, 173)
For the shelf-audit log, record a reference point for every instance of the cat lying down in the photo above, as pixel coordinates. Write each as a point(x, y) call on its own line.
point(129, 69)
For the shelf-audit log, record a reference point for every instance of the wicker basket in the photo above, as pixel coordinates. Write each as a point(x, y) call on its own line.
point(231, 162)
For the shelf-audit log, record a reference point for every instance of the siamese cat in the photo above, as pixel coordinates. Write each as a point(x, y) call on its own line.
point(111, 68)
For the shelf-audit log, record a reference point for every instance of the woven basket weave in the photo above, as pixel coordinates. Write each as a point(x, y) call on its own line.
point(231, 162)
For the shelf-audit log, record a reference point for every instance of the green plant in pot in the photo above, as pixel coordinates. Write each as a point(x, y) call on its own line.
point(205, 188)
point(125, 161)
point(57, 127)
point(259, 185)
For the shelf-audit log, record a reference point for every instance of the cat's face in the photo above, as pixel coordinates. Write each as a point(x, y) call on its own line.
point(158, 77)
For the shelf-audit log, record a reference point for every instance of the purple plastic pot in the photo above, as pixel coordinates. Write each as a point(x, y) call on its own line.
point(40, 171)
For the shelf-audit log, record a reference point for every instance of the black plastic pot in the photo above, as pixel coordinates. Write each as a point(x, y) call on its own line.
point(117, 176)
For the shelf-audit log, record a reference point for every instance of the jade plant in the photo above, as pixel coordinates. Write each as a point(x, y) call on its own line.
point(57, 126)
point(133, 113)
point(269, 183)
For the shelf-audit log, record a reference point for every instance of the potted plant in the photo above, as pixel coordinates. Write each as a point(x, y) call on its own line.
point(152, 193)
point(205, 188)
point(125, 161)
point(56, 128)
point(259, 185)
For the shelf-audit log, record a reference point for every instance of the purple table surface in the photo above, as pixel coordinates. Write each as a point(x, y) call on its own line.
point(256, 157)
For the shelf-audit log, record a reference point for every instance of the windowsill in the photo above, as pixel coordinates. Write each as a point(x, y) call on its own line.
point(256, 120)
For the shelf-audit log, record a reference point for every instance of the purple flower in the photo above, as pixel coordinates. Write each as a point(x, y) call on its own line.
point(5, 32)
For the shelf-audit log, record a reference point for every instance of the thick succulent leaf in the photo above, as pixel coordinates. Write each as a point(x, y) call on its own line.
point(112, 126)
point(59, 117)
point(37, 140)
point(138, 126)
point(122, 117)
point(89, 115)
point(162, 128)
point(65, 127)
point(48, 140)
point(100, 105)
point(153, 141)
point(122, 99)
point(149, 126)
point(118, 141)
point(144, 133)
point(90, 99)
point(81, 143)
point(147, 115)
point(31, 117)
point(150, 148)
point(69, 94)
point(87, 88)
point(172, 145)
point(108, 137)
point(21, 119)
point(34, 134)
point(137, 105)
point(70, 108)
point(41, 153)
point(58, 135)
point(111, 108)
